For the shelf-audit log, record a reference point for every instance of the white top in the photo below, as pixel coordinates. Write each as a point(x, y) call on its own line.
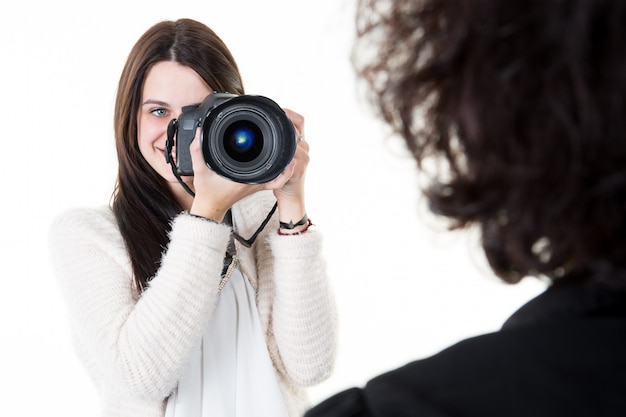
point(230, 374)
point(135, 347)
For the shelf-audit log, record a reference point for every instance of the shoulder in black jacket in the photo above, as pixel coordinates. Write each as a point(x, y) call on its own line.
point(562, 354)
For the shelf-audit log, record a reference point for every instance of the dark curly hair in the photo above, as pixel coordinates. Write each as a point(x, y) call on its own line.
point(522, 105)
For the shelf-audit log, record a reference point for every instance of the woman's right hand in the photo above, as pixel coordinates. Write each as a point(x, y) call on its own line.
point(214, 194)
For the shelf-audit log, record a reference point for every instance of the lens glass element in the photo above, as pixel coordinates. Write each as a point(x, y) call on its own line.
point(243, 141)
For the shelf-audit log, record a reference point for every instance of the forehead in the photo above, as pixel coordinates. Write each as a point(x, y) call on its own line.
point(171, 82)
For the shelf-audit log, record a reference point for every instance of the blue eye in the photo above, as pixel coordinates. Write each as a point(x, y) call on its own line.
point(159, 112)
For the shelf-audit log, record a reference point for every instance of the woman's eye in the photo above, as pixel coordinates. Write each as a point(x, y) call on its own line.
point(159, 112)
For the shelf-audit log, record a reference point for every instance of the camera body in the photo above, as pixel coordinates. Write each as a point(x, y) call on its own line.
point(245, 138)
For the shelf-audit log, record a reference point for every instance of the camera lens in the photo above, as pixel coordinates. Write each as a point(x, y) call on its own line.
point(243, 141)
point(248, 139)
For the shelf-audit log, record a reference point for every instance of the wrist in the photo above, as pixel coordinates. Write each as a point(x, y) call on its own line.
point(291, 225)
point(291, 210)
point(210, 213)
point(297, 229)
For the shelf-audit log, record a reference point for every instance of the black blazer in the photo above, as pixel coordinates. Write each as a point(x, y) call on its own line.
point(562, 354)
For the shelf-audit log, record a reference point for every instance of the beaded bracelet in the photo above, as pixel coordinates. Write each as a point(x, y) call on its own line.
point(308, 223)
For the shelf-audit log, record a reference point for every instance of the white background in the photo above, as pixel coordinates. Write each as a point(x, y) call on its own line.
point(404, 288)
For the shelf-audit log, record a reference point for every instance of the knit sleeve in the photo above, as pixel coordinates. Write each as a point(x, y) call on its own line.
point(303, 317)
point(139, 345)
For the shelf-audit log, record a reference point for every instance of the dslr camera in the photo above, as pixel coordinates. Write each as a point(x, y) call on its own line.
point(246, 138)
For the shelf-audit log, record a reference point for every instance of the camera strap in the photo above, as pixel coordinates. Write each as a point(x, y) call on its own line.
point(169, 145)
point(248, 242)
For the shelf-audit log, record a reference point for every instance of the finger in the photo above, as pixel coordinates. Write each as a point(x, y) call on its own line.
point(196, 154)
point(298, 121)
point(284, 176)
point(296, 118)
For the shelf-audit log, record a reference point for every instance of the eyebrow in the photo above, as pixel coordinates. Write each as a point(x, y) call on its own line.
point(157, 102)
point(164, 104)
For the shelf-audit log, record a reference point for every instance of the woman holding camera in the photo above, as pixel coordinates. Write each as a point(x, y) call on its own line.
point(201, 303)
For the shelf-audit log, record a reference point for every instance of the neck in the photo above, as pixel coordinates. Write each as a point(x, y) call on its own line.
point(181, 195)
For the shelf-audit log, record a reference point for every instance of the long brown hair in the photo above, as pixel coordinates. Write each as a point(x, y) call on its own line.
point(142, 202)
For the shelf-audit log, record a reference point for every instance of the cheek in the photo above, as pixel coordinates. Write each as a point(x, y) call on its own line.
point(150, 134)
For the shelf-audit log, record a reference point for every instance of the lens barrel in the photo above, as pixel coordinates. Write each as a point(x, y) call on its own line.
point(248, 139)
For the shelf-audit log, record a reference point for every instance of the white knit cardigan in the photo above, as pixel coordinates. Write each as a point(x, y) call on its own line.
point(135, 347)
